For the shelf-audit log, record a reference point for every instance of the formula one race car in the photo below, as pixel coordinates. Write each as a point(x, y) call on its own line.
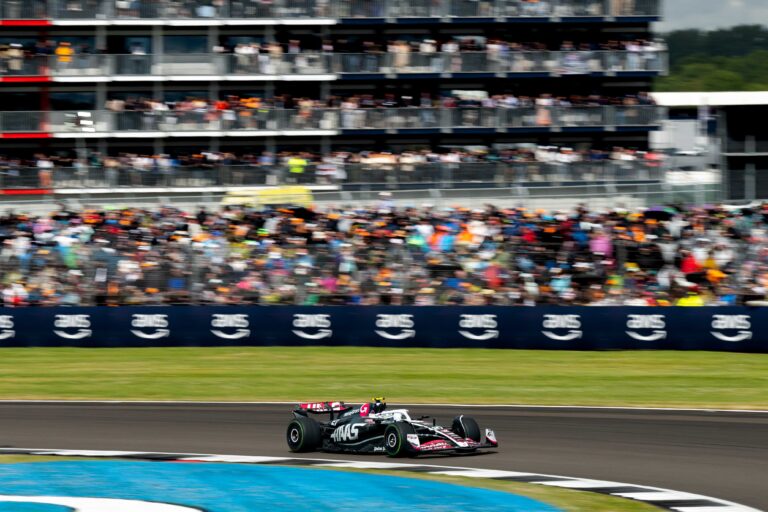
point(370, 428)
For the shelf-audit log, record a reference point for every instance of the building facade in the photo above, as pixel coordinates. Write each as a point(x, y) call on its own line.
point(181, 77)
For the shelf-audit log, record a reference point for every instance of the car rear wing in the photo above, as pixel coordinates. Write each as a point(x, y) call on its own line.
point(320, 408)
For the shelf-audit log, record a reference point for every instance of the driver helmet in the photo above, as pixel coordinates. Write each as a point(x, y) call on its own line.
point(378, 405)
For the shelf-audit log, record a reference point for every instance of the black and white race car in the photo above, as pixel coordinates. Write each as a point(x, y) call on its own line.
point(371, 428)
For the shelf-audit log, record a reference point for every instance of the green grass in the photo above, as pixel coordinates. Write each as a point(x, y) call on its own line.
point(564, 499)
point(643, 378)
point(15, 459)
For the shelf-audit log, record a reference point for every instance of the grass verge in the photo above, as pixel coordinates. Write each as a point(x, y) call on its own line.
point(637, 378)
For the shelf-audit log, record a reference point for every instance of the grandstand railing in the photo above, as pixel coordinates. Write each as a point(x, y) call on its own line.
point(308, 63)
point(290, 121)
point(217, 9)
point(355, 176)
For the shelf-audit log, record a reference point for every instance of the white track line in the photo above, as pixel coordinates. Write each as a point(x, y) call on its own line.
point(474, 406)
point(98, 504)
point(655, 493)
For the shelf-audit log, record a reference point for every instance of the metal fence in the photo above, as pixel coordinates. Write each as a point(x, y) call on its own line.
point(216, 9)
point(313, 63)
point(353, 176)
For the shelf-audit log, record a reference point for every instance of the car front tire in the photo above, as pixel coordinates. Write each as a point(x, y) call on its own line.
point(396, 440)
point(467, 427)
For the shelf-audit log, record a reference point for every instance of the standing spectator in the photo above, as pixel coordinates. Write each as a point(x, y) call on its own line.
point(64, 53)
point(45, 171)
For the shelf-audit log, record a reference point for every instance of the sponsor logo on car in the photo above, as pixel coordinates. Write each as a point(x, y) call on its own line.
point(739, 327)
point(568, 325)
point(413, 439)
point(65, 323)
point(321, 406)
point(402, 322)
point(652, 327)
point(486, 322)
point(157, 322)
point(365, 409)
point(237, 325)
point(6, 327)
point(320, 324)
point(348, 432)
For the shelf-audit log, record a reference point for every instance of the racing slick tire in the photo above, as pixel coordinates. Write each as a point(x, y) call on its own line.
point(466, 426)
point(303, 435)
point(396, 440)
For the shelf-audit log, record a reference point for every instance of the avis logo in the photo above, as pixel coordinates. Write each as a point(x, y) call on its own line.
point(238, 322)
point(156, 322)
point(80, 322)
point(561, 322)
point(655, 323)
point(6, 327)
point(348, 432)
point(739, 324)
point(486, 322)
point(402, 322)
point(321, 323)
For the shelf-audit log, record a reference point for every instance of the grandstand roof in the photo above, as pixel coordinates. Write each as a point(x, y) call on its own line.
point(712, 99)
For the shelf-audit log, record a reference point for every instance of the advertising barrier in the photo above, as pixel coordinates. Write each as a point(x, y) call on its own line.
point(562, 328)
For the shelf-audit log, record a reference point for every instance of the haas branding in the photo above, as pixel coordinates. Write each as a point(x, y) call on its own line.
point(652, 327)
point(402, 322)
point(738, 327)
point(318, 324)
point(487, 323)
point(237, 325)
point(348, 432)
point(65, 324)
point(156, 323)
point(568, 325)
point(6, 327)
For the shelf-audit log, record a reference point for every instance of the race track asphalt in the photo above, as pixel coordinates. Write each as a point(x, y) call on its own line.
point(720, 454)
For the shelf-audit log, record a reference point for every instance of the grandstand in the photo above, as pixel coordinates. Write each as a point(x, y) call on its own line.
point(178, 94)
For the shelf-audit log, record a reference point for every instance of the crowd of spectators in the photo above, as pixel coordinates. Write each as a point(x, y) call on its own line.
point(466, 99)
point(336, 167)
point(366, 111)
point(385, 254)
point(456, 54)
point(208, 9)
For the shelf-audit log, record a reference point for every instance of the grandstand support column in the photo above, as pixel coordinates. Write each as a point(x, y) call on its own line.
point(101, 146)
point(725, 171)
point(213, 85)
point(750, 179)
point(325, 145)
point(158, 146)
point(750, 182)
point(158, 49)
point(101, 39)
point(213, 47)
point(213, 90)
point(101, 95)
point(269, 36)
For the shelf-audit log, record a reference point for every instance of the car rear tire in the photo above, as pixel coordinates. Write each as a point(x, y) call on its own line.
point(396, 440)
point(467, 427)
point(303, 435)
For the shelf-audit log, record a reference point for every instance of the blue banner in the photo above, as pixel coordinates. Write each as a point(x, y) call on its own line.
point(579, 328)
